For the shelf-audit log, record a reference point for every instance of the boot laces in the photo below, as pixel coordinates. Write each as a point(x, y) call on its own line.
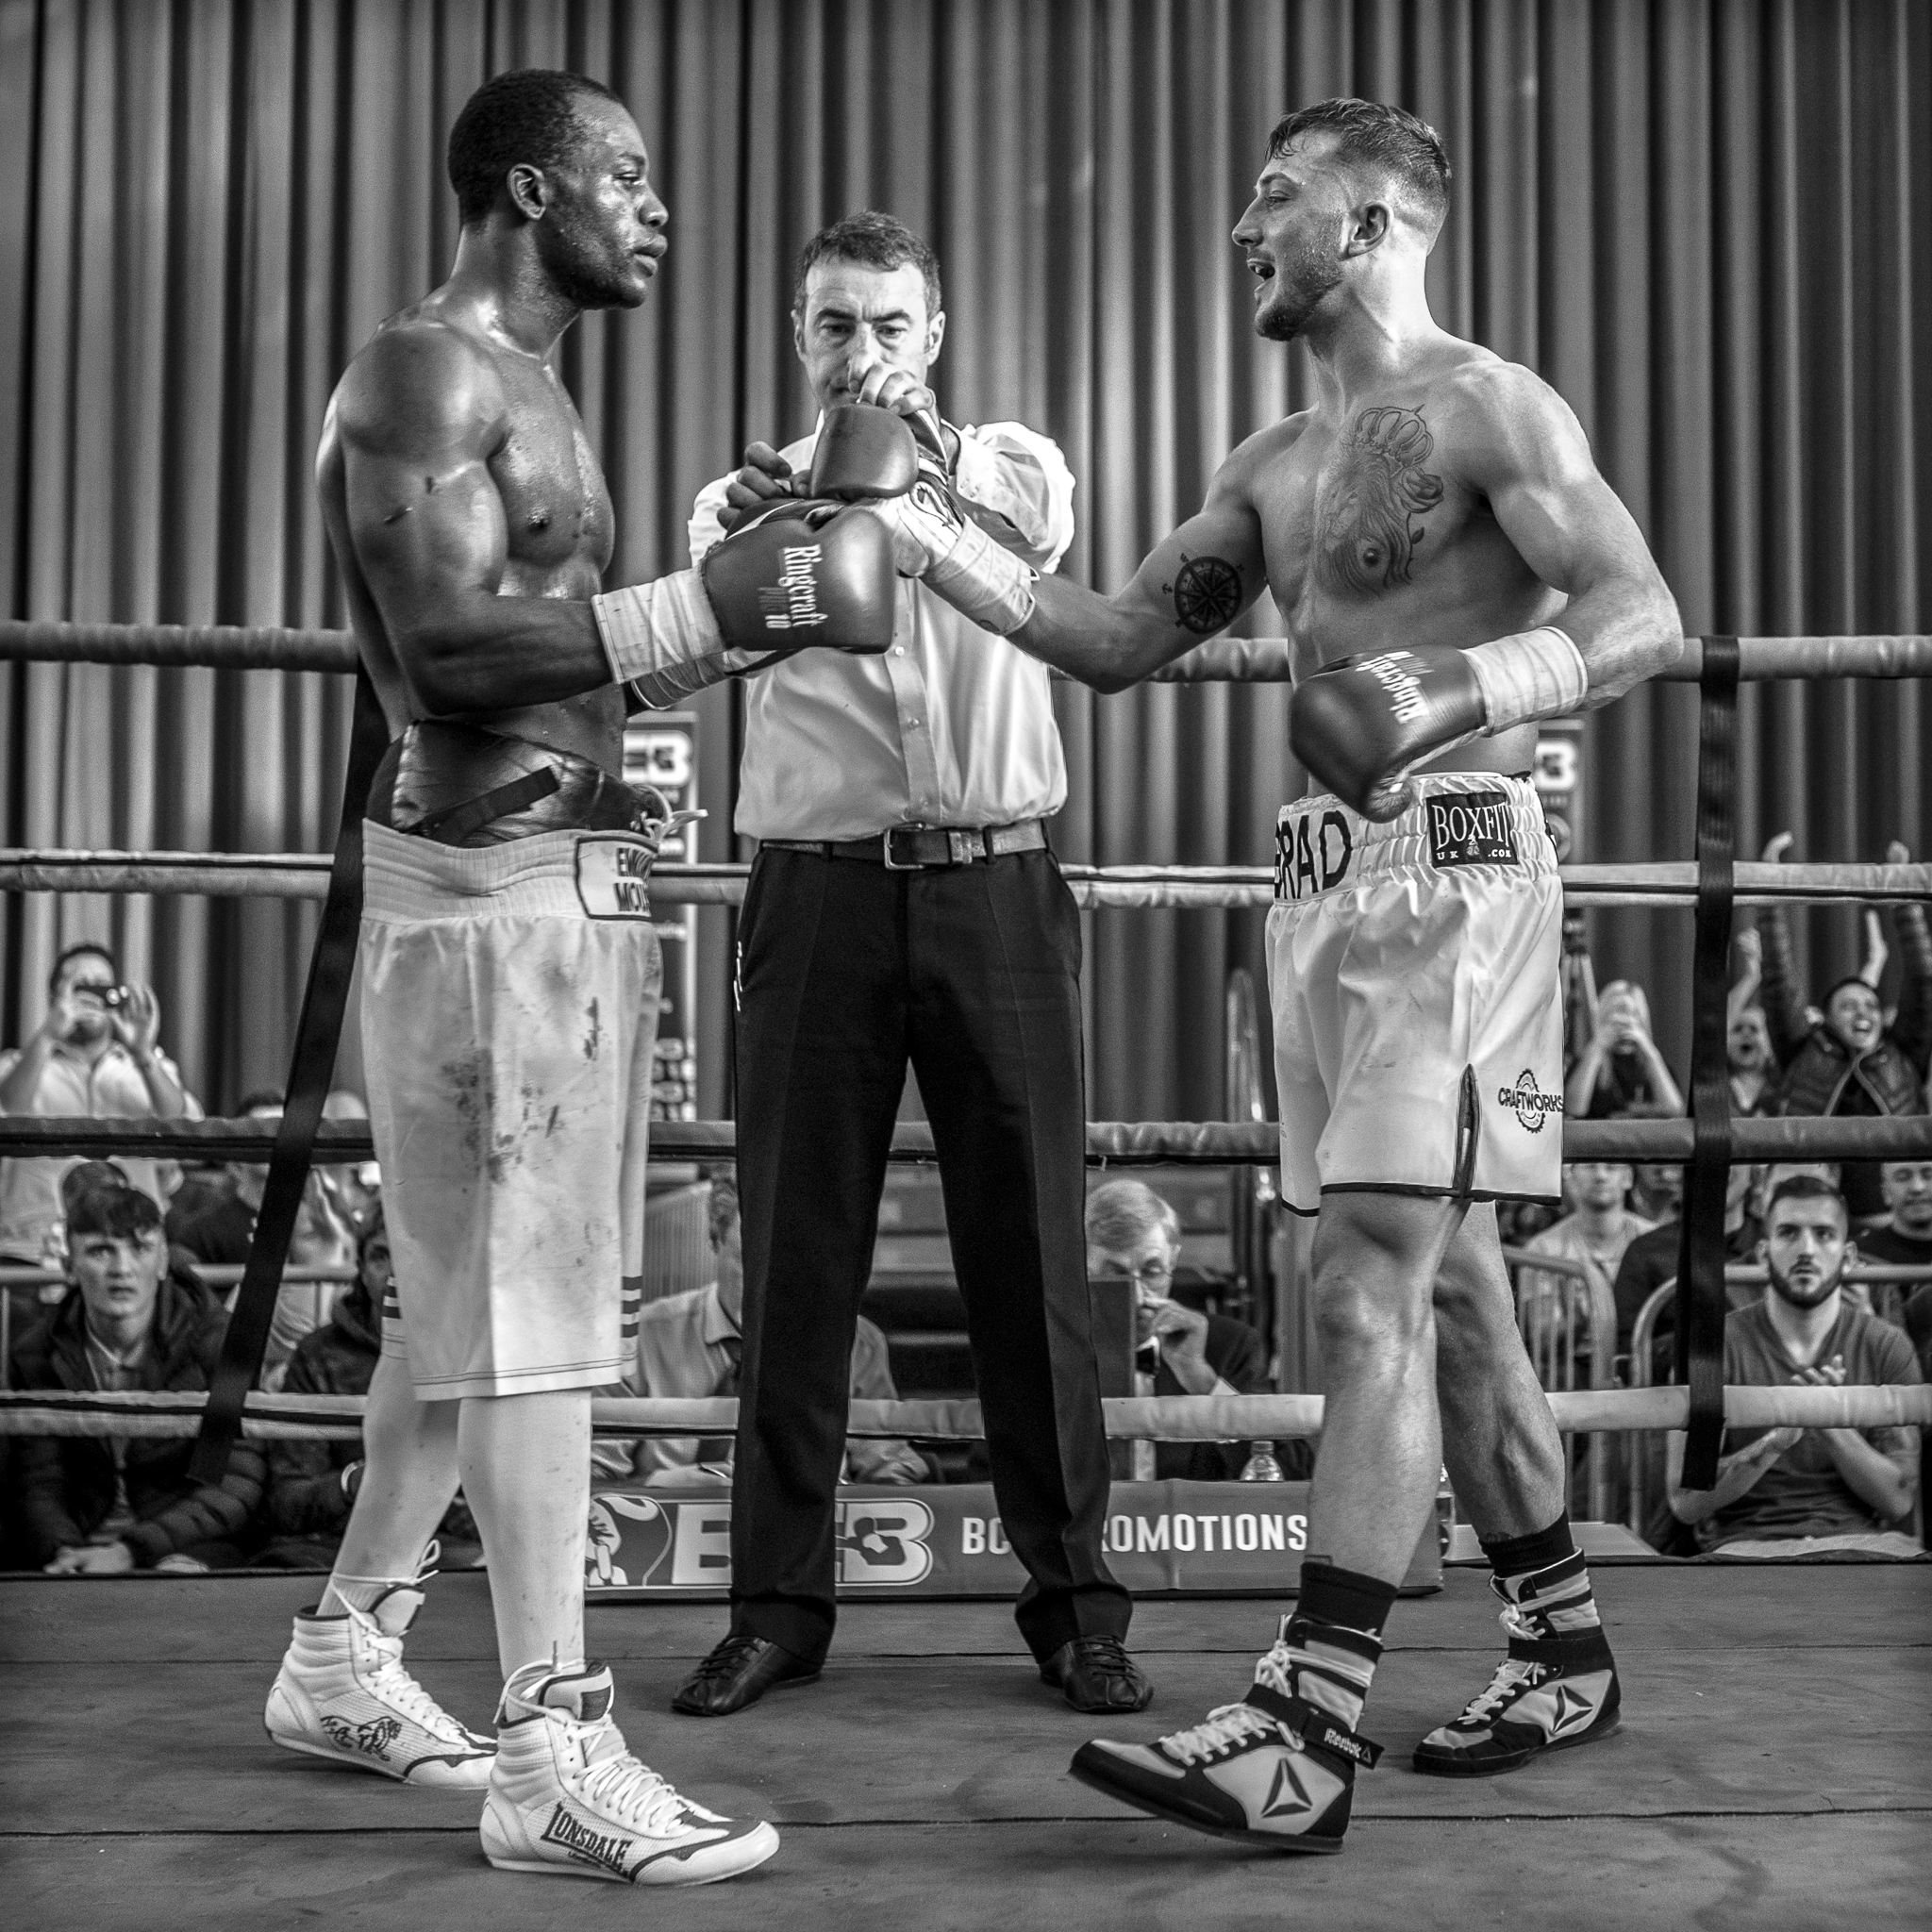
point(1512, 1677)
point(624, 1788)
point(1223, 1729)
point(390, 1681)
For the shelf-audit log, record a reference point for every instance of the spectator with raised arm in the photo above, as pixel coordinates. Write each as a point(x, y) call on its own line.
point(1747, 1037)
point(96, 1055)
point(1849, 1061)
point(1789, 1491)
point(1621, 1068)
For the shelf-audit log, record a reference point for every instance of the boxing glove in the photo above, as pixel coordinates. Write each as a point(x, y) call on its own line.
point(863, 451)
point(797, 572)
point(1363, 724)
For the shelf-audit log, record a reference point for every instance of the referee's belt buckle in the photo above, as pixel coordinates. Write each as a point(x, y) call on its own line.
point(931, 845)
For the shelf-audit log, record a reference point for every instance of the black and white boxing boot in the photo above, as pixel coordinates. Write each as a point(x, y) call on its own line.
point(1557, 1687)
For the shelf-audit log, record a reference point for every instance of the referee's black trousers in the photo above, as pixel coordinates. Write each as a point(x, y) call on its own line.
point(847, 971)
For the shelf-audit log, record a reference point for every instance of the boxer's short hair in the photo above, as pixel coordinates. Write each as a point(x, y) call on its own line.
point(527, 117)
point(1384, 136)
point(875, 240)
point(123, 1214)
point(1120, 1213)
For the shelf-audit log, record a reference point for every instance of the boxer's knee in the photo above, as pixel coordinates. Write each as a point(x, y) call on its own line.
point(1374, 1263)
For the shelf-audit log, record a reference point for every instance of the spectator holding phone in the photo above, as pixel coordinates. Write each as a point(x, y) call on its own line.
point(1621, 1068)
point(93, 1057)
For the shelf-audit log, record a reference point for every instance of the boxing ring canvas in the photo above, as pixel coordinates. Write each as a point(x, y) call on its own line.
point(1771, 1771)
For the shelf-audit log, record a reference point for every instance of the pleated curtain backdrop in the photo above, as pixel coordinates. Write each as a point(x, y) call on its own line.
point(1708, 225)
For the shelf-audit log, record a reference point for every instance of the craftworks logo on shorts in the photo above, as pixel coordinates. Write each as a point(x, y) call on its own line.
point(1311, 855)
point(613, 874)
point(1471, 829)
point(1528, 1102)
point(792, 601)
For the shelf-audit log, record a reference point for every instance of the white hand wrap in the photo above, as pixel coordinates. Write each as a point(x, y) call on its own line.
point(932, 540)
point(649, 629)
point(1536, 673)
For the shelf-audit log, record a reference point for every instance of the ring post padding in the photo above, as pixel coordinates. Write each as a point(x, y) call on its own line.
point(318, 1031)
point(1701, 1252)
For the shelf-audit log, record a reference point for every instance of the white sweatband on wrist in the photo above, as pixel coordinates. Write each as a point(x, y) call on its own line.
point(1536, 673)
point(983, 582)
point(650, 628)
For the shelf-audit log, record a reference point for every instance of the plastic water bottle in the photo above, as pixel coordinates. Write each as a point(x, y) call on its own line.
point(1445, 1512)
point(1261, 1465)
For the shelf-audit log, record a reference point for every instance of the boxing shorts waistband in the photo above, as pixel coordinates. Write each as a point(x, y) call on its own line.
point(1461, 821)
point(915, 848)
point(570, 874)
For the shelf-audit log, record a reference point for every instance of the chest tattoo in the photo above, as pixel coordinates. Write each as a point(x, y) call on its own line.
point(1378, 491)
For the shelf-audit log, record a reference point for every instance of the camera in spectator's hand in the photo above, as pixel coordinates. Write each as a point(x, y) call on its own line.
point(115, 997)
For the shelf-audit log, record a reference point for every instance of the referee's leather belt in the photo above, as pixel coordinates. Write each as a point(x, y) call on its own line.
point(914, 848)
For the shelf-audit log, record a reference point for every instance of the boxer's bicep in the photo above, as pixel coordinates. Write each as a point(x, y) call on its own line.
point(1200, 580)
point(1522, 446)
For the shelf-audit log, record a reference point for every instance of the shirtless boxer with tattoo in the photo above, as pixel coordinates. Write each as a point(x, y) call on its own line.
point(1451, 567)
point(511, 971)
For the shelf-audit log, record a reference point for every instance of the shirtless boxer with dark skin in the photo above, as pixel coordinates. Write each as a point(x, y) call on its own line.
point(1424, 528)
point(472, 525)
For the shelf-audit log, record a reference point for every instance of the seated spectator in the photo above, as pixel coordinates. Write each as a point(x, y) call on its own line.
point(1747, 1037)
point(1621, 1068)
point(93, 1057)
point(1133, 1235)
point(690, 1344)
point(103, 1504)
point(223, 1232)
point(1657, 1193)
point(1903, 1237)
point(1850, 1061)
point(1651, 1261)
point(1595, 1236)
point(1790, 1491)
point(311, 1485)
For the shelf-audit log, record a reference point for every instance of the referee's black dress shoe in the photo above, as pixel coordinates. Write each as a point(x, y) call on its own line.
point(1096, 1673)
point(739, 1671)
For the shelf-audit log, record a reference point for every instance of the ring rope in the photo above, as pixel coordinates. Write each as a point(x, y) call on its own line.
point(1227, 888)
point(1224, 661)
point(1109, 1144)
point(1130, 1418)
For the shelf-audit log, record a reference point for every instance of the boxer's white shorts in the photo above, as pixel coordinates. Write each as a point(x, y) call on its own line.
point(509, 1008)
point(1413, 968)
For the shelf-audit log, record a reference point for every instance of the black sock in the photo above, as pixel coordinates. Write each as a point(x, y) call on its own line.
point(1516, 1555)
point(1343, 1599)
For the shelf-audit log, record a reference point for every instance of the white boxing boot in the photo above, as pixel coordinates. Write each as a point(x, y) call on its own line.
point(566, 1797)
point(342, 1693)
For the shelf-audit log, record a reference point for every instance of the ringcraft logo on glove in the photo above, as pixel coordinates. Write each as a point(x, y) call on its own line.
point(792, 601)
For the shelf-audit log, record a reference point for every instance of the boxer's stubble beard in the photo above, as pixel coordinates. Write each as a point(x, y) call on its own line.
point(1299, 286)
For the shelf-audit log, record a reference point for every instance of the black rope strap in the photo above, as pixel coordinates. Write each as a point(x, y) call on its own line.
point(317, 1034)
point(1701, 1255)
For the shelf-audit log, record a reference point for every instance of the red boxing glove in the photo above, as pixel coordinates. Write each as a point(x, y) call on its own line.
point(863, 453)
point(804, 573)
point(1363, 724)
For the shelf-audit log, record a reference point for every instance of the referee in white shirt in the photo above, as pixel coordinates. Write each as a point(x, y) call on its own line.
point(904, 907)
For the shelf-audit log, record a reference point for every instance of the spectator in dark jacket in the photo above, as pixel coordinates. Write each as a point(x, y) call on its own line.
point(103, 1504)
point(311, 1485)
point(1133, 1235)
point(1850, 1063)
